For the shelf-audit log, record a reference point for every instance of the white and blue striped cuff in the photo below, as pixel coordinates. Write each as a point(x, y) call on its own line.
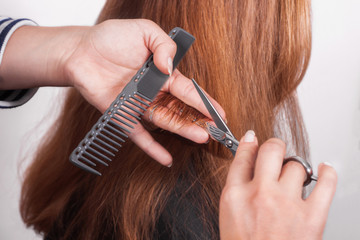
point(13, 98)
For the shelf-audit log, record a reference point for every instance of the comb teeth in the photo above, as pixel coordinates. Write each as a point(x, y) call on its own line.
point(141, 101)
point(133, 109)
point(216, 133)
point(110, 140)
point(102, 142)
point(114, 136)
point(110, 131)
point(96, 158)
point(99, 153)
point(136, 105)
point(143, 96)
point(131, 114)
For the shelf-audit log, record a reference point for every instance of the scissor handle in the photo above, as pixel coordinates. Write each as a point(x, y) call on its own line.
point(308, 169)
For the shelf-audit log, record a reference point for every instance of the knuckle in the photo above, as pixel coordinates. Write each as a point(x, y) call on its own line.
point(274, 145)
point(331, 176)
point(107, 23)
point(148, 146)
point(245, 152)
point(172, 45)
point(294, 166)
point(146, 22)
point(264, 200)
point(188, 88)
point(230, 195)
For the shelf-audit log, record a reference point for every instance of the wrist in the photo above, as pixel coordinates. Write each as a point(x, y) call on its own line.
point(36, 56)
point(64, 42)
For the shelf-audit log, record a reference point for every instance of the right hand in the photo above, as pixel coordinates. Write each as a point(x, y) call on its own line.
point(262, 199)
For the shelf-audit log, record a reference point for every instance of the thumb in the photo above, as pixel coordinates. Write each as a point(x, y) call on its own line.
point(242, 167)
point(160, 44)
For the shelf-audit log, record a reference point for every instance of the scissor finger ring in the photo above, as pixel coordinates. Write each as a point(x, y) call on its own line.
point(308, 169)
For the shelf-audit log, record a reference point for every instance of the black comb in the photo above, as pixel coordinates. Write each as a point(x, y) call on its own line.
point(110, 131)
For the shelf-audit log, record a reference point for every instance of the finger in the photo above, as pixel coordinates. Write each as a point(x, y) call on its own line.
point(292, 178)
point(165, 121)
point(242, 167)
point(323, 193)
point(269, 160)
point(146, 142)
point(183, 88)
point(160, 44)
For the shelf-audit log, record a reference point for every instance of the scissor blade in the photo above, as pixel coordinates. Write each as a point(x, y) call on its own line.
point(213, 113)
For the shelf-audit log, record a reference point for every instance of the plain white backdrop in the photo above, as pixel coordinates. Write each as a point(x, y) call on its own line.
point(329, 97)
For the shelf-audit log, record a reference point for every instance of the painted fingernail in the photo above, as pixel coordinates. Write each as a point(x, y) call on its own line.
point(169, 166)
point(328, 164)
point(249, 136)
point(170, 66)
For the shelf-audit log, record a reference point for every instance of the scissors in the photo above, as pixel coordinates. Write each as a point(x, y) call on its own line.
point(222, 134)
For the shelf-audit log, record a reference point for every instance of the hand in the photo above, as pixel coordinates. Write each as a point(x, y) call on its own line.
point(99, 61)
point(109, 55)
point(262, 199)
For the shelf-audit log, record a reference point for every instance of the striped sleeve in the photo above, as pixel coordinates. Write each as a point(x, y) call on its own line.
point(13, 98)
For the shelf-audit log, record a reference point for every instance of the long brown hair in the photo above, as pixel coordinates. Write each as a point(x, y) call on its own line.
point(250, 55)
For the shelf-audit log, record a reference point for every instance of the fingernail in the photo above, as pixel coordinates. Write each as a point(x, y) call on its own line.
point(249, 136)
point(169, 166)
point(170, 66)
point(328, 164)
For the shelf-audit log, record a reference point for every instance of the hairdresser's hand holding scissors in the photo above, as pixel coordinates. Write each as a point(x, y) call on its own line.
point(99, 61)
point(262, 198)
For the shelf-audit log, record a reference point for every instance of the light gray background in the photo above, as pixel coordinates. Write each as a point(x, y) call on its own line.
point(329, 97)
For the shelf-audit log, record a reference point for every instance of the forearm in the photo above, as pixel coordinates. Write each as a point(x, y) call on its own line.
point(35, 56)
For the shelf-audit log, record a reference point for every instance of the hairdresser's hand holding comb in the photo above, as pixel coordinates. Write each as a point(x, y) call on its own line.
point(99, 61)
point(262, 199)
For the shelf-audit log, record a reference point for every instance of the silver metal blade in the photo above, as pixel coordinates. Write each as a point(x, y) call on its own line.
point(212, 110)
